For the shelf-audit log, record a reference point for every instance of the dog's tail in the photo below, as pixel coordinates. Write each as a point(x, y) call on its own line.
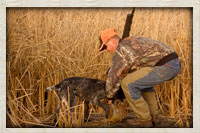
point(53, 87)
point(50, 88)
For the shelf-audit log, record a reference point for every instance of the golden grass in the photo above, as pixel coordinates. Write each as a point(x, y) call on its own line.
point(46, 45)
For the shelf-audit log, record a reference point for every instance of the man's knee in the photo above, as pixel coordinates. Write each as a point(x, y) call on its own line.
point(134, 92)
point(150, 89)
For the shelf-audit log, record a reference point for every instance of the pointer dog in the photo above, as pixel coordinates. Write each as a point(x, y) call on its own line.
point(90, 90)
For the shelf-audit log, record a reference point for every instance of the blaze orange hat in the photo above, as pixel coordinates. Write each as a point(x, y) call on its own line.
point(105, 36)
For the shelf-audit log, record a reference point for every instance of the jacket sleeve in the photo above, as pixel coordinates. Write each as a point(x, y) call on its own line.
point(121, 64)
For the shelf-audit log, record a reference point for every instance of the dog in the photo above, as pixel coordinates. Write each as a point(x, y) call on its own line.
point(90, 90)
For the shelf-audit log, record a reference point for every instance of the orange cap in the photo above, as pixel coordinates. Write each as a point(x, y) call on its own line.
point(105, 36)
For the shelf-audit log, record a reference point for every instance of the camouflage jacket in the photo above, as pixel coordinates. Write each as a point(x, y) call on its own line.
point(131, 54)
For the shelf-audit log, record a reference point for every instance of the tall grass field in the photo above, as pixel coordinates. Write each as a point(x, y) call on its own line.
point(47, 45)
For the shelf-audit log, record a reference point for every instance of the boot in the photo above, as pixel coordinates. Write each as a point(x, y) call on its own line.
point(137, 123)
point(150, 98)
point(141, 110)
point(155, 120)
point(131, 121)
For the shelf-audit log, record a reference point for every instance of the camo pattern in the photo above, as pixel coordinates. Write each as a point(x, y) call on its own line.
point(132, 54)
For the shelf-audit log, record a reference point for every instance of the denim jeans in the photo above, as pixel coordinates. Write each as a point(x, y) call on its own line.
point(158, 75)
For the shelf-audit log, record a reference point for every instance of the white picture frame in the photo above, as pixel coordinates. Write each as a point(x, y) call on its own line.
point(195, 4)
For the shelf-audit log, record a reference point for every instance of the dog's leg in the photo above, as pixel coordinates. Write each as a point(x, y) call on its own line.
point(86, 110)
point(57, 109)
point(104, 106)
point(72, 100)
point(54, 114)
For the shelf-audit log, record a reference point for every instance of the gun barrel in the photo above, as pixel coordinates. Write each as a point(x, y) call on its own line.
point(127, 25)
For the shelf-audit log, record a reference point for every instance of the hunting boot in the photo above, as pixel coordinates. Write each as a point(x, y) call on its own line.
point(150, 98)
point(141, 110)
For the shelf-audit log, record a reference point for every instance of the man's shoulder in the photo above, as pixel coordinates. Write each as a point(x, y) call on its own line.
point(134, 40)
point(138, 41)
point(128, 43)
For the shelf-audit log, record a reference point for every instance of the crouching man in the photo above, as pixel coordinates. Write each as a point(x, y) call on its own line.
point(138, 64)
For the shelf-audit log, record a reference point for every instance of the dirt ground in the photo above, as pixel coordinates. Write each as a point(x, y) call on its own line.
point(98, 120)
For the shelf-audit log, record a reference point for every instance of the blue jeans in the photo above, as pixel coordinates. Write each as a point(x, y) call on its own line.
point(158, 75)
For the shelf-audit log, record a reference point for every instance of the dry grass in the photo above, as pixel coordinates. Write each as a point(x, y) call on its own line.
point(46, 45)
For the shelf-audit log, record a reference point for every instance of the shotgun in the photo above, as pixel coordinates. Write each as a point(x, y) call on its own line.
point(127, 26)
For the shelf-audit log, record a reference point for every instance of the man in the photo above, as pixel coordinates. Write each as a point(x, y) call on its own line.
point(138, 64)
